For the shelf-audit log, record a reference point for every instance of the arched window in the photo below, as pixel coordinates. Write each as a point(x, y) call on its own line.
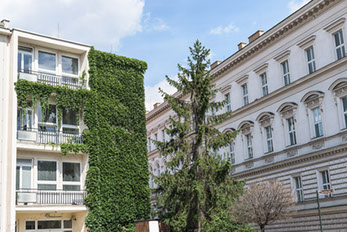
point(230, 149)
point(288, 112)
point(246, 128)
point(265, 119)
point(339, 89)
point(313, 102)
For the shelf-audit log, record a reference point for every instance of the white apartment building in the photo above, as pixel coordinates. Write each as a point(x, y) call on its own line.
point(287, 89)
point(40, 189)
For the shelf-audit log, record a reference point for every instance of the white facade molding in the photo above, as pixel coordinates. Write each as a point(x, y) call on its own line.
point(307, 42)
point(335, 26)
point(282, 56)
point(261, 69)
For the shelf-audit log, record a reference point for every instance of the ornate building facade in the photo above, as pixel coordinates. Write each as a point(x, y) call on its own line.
point(287, 89)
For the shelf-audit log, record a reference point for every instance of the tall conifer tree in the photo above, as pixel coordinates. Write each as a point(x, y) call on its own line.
point(196, 192)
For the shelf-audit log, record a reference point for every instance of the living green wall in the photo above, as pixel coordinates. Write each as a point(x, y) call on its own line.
point(117, 179)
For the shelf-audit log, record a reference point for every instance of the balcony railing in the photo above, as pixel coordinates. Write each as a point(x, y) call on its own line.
point(50, 197)
point(47, 137)
point(51, 79)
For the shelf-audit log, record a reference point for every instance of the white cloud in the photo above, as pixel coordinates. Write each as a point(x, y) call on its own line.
point(153, 23)
point(152, 93)
point(224, 30)
point(102, 23)
point(294, 5)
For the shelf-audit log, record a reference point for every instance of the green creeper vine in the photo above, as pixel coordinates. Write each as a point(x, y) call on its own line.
point(117, 179)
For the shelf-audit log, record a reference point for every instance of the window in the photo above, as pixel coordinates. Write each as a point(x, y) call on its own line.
point(249, 146)
point(317, 122)
point(69, 65)
point(269, 142)
point(163, 135)
point(149, 145)
point(344, 105)
point(47, 61)
point(49, 225)
point(47, 175)
point(298, 188)
point(291, 131)
point(70, 125)
point(48, 123)
point(25, 122)
point(25, 59)
point(158, 169)
point(325, 180)
point(155, 139)
point(23, 174)
point(340, 46)
point(232, 152)
point(71, 175)
point(285, 70)
point(245, 94)
point(310, 60)
point(264, 84)
point(228, 102)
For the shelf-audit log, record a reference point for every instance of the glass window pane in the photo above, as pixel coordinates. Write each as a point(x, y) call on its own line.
point(47, 187)
point(67, 224)
point(47, 170)
point(19, 62)
point(27, 62)
point(26, 177)
point(30, 225)
point(17, 178)
point(70, 65)
point(53, 224)
point(47, 61)
point(51, 114)
point(71, 187)
point(69, 117)
point(71, 172)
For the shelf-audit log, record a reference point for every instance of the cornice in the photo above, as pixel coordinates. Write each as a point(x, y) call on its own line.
point(261, 69)
point(335, 25)
point(282, 56)
point(242, 79)
point(292, 161)
point(280, 30)
point(307, 42)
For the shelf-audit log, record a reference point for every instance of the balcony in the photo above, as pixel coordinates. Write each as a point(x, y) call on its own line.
point(50, 79)
point(47, 137)
point(49, 197)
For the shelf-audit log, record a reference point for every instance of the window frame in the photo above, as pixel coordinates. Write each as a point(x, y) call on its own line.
point(322, 185)
point(264, 84)
point(311, 63)
point(42, 70)
point(245, 97)
point(70, 126)
point(269, 140)
point(22, 58)
point(285, 72)
point(291, 131)
point(249, 146)
point(232, 152)
point(49, 124)
point(299, 190)
point(340, 46)
point(319, 123)
point(228, 103)
point(21, 165)
point(71, 182)
point(48, 182)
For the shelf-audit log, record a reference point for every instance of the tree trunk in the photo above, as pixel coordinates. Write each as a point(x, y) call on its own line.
point(262, 228)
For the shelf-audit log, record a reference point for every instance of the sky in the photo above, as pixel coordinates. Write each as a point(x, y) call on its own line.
point(156, 31)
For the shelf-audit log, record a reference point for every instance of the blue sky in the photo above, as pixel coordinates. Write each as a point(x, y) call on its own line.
point(156, 31)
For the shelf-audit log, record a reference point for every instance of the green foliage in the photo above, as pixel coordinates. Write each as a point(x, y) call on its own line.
point(41, 92)
point(72, 147)
point(117, 179)
point(197, 191)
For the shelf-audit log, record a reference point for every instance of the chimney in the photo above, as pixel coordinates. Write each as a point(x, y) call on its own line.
point(215, 64)
point(156, 105)
point(4, 23)
point(241, 45)
point(255, 36)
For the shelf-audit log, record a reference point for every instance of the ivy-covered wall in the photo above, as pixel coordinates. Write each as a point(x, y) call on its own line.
point(117, 179)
